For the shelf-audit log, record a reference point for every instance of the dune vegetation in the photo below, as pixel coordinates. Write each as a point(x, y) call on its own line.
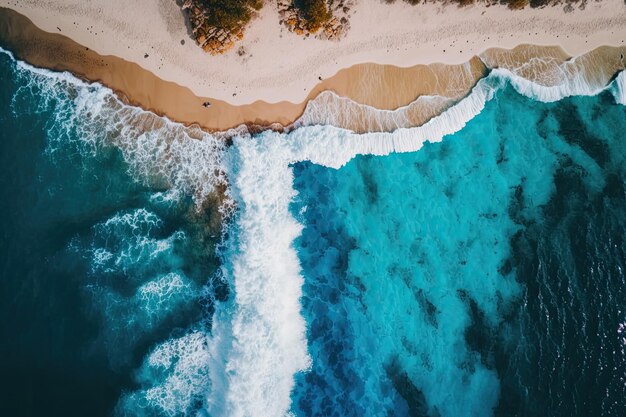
point(217, 25)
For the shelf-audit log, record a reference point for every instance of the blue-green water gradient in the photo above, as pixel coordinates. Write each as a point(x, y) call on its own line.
point(479, 276)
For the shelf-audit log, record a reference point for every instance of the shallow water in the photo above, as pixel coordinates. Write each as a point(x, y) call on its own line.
point(479, 275)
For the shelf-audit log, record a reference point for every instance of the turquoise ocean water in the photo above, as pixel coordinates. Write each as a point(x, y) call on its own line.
point(482, 275)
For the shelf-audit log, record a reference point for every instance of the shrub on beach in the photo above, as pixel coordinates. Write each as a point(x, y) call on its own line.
point(326, 19)
point(314, 13)
point(218, 24)
point(516, 4)
point(231, 15)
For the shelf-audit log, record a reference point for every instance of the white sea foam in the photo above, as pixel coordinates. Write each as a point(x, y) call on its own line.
point(333, 147)
point(159, 295)
point(131, 244)
point(259, 337)
point(574, 84)
point(177, 376)
point(134, 222)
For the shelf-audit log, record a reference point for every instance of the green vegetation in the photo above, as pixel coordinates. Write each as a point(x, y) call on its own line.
point(314, 14)
point(232, 15)
point(218, 24)
point(516, 4)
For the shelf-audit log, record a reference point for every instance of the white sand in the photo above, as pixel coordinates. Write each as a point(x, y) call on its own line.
point(279, 65)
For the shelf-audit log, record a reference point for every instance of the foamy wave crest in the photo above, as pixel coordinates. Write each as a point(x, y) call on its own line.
point(127, 242)
point(157, 293)
point(544, 73)
point(177, 375)
point(128, 317)
point(332, 147)
point(159, 152)
point(573, 84)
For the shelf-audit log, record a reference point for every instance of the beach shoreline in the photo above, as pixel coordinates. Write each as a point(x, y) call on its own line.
point(376, 87)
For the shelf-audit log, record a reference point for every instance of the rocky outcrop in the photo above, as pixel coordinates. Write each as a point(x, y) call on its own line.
point(211, 38)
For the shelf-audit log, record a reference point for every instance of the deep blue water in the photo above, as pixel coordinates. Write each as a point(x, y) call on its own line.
point(479, 276)
point(97, 267)
point(483, 275)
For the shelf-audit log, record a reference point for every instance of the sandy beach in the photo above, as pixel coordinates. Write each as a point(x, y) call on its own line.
point(428, 51)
